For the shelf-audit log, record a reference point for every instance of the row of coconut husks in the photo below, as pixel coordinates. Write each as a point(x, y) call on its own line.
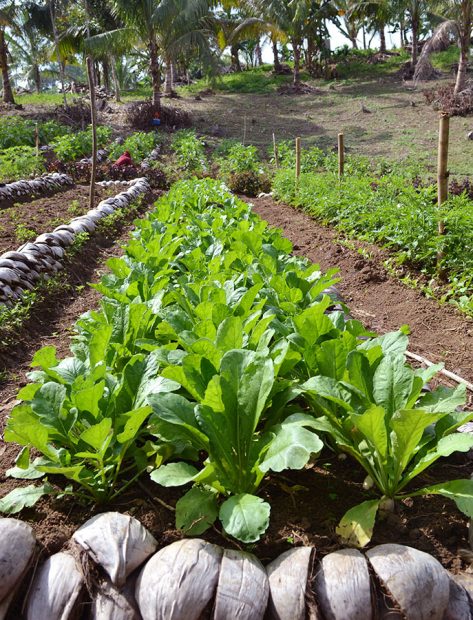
point(46, 184)
point(20, 270)
point(111, 569)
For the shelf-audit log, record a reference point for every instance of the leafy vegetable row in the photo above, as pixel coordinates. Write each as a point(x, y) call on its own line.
point(217, 357)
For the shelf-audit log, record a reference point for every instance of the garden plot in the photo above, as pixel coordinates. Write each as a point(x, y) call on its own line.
point(187, 308)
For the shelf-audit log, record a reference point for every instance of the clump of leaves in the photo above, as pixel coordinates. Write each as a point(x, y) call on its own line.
point(249, 183)
point(443, 98)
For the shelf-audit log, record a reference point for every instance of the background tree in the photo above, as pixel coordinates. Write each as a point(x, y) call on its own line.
point(7, 14)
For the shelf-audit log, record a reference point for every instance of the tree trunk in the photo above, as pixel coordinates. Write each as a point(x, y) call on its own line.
point(37, 78)
point(7, 89)
point(97, 75)
point(296, 46)
point(382, 39)
point(169, 78)
point(258, 54)
point(56, 45)
point(465, 35)
point(155, 73)
point(363, 30)
point(236, 66)
point(415, 18)
point(106, 74)
point(277, 64)
point(402, 27)
point(353, 31)
point(311, 46)
point(116, 83)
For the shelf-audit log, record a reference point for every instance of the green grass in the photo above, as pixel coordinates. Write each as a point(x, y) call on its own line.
point(444, 60)
point(258, 81)
point(43, 98)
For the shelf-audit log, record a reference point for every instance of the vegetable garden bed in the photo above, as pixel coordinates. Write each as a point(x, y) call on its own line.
point(209, 298)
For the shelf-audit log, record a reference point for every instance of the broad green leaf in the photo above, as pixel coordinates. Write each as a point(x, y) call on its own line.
point(408, 426)
point(444, 400)
point(456, 442)
point(360, 373)
point(45, 358)
point(372, 425)
point(134, 421)
point(230, 334)
point(392, 383)
point(174, 474)
point(97, 434)
point(313, 323)
point(245, 517)
point(196, 511)
point(88, 399)
point(31, 472)
point(23, 497)
point(291, 447)
point(461, 491)
point(331, 358)
point(356, 526)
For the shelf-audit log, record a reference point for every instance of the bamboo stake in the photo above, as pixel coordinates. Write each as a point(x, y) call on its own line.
point(244, 130)
point(341, 156)
point(446, 373)
point(275, 149)
point(36, 138)
point(442, 175)
point(298, 159)
point(93, 114)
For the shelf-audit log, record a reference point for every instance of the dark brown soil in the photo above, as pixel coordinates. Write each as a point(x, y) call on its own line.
point(305, 505)
point(25, 221)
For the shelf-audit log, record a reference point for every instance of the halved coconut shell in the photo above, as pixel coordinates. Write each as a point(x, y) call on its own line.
point(119, 543)
point(288, 577)
point(57, 589)
point(459, 602)
point(416, 581)
point(243, 587)
point(113, 604)
point(342, 586)
point(17, 544)
point(179, 581)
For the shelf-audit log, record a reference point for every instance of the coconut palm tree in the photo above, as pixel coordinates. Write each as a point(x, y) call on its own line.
point(7, 13)
point(163, 27)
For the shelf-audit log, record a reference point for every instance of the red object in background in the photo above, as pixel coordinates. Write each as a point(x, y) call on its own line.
point(124, 160)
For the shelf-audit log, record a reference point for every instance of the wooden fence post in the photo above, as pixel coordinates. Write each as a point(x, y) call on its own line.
point(442, 176)
point(93, 115)
point(341, 156)
point(298, 159)
point(275, 150)
point(36, 138)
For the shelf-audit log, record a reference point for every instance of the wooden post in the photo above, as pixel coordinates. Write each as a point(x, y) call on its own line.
point(36, 138)
point(298, 159)
point(275, 150)
point(244, 130)
point(93, 114)
point(341, 156)
point(442, 176)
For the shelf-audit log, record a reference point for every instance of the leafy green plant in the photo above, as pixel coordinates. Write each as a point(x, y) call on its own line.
point(19, 162)
point(227, 425)
point(374, 409)
point(139, 145)
point(23, 233)
point(73, 146)
point(189, 152)
point(17, 131)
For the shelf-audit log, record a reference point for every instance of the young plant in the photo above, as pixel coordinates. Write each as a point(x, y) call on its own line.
point(231, 427)
point(378, 413)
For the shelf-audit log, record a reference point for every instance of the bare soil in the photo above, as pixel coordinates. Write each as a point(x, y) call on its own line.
point(25, 221)
point(306, 505)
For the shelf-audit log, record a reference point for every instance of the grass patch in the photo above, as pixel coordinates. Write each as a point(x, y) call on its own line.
point(443, 61)
point(44, 98)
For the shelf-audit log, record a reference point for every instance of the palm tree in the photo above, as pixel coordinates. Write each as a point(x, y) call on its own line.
point(28, 47)
point(7, 12)
point(162, 26)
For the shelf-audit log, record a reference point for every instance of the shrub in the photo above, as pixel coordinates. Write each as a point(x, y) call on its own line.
point(79, 144)
point(19, 162)
point(17, 131)
point(249, 183)
point(139, 145)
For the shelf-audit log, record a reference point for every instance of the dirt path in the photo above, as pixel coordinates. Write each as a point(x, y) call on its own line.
point(439, 333)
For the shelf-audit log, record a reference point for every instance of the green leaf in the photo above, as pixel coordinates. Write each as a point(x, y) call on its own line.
point(97, 434)
point(372, 425)
point(30, 472)
point(444, 400)
point(392, 383)
point(196, 511)
point(23, 497)
point(245, 517)
point(356, 525)
point(230, 334)
point(456, 442)
point(291, 447)
point(134, 422)
point(461, 491)
point(45, 358)
point(174, 474)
